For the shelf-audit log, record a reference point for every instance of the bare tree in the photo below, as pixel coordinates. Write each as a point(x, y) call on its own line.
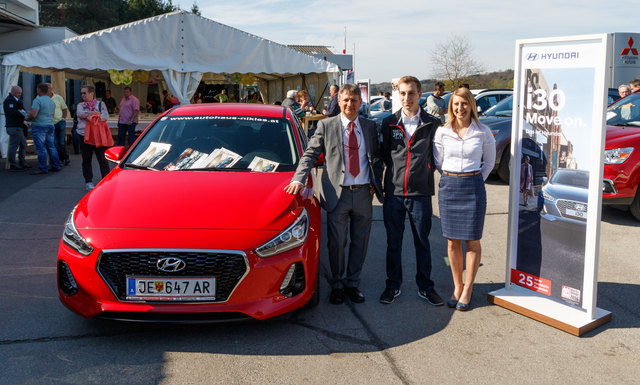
point(453, 61)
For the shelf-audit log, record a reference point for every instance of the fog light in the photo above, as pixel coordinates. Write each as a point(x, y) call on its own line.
point(66, 281)
point(293, 282)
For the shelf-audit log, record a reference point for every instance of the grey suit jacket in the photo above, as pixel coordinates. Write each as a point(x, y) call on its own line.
point(327, 140)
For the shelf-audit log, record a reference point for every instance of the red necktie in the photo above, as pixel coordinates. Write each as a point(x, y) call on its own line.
point(354, 158)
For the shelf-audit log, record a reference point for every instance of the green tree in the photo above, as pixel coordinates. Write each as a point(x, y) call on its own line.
point(84, 16)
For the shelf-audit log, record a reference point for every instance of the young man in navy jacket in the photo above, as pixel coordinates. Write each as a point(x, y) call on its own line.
point(407, 151)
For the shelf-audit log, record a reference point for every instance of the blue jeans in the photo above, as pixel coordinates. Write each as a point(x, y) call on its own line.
point(44, 142)
point(61, 139)
point(394, 211)
point(130, 130)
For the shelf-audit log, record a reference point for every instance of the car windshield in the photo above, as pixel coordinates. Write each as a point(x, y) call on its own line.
point(575, 178)
point(376, 106)
point(503, 108)
point(625, 112)
point(239, 143)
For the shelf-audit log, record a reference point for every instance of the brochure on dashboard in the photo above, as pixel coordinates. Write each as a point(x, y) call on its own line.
point(152, 155)
point(259, 164)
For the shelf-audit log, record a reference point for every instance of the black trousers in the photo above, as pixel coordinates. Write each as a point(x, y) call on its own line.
point(87, 151)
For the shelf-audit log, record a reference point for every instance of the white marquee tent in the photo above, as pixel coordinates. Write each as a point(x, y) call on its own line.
point(182, 46)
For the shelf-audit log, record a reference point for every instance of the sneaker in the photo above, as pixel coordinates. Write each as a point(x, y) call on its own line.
point(89, 186)
point(431, 296)
point(388, 295)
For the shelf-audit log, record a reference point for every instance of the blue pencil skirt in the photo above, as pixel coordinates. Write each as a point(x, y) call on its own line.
point(463, 204)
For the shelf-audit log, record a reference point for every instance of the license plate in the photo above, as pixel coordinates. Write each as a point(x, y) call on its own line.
point(171, 289)
point(576, 213)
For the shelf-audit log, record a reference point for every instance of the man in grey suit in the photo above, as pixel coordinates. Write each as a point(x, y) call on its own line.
point(352, 174)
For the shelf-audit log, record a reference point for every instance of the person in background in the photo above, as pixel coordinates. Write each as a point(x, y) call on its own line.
point(526, 180)
point(128, 118)
point(436, 105)
point(42, 130)
point(465, 152)
point(635, 85)
point(291, 101)
point(407, 151)
point(254, 98)
point(386, 103)
point(110, 102)
point(84, 110)
point(222, 97)
point(624, 90)
point(332, 109)
point(351, 176)
point(15, 115)
point(60, 125)
point(305, 103)
point(166, 100)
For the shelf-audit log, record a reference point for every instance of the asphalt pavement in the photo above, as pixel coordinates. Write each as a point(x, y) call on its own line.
point(407, 342)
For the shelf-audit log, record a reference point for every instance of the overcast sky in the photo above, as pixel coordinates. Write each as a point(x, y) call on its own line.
point(397, 37)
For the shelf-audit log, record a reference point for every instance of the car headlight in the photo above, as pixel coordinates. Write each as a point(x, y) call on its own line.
point(293, 236)
point(547, 197)
point(72, 238)
point(617, 155)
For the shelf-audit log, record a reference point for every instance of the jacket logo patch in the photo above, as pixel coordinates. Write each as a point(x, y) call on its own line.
point(397, 134)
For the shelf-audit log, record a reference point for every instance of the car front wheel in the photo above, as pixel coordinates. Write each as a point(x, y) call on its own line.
point(503, 168)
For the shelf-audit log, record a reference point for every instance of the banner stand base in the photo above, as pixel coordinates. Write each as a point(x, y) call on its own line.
point(548, 311)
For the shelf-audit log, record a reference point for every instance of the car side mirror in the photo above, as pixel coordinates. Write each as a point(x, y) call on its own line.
point(544, 180)
point(114, 154)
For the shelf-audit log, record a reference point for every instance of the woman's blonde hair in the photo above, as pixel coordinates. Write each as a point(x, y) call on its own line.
point(468, 96)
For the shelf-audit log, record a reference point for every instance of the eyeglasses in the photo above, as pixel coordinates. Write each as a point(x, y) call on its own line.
point(82, 93)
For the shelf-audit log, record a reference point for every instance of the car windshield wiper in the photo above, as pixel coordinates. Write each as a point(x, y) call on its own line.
point(140, 167)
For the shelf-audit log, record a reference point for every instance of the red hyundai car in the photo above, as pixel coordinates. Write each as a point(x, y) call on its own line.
point(622, 155)
point(193, 224)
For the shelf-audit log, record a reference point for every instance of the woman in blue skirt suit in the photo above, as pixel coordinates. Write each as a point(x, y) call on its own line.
point(465, 152)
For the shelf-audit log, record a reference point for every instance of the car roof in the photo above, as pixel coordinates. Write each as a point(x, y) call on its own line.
point(242, 109)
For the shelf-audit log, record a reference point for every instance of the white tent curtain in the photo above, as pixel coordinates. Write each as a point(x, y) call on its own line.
point(182, 84)
point(10, 76)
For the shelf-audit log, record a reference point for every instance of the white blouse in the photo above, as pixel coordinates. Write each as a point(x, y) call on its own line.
point(475, 151)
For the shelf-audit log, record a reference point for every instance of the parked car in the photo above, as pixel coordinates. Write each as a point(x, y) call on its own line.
point(622, 155)
point(193, 223)
point(485, 98)
point(498, 119)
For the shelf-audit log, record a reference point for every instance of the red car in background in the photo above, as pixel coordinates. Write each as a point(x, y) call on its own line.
point(622, 155)
point(193, 224)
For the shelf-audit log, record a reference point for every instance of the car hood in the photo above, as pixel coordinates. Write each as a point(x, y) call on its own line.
point(563, 191)
point(622, 136)
point(216, 200)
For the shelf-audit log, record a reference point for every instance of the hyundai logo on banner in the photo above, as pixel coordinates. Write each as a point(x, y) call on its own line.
point(553, 56)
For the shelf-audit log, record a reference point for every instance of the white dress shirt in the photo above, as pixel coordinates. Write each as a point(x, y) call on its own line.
point(410, 123)
point(476, 151)
point(363, 176)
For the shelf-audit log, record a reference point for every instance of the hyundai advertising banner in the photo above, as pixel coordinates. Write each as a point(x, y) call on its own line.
point(556, 174)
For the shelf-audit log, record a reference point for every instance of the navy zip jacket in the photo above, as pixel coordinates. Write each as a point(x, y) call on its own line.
point(409, 163)
point(11, 110)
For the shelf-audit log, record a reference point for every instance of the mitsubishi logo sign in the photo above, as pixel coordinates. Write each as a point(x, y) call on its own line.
point(630, 48)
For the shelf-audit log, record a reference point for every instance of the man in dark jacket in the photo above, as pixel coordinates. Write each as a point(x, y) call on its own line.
point(407, 151)
point(15, 114)
point(332, 109)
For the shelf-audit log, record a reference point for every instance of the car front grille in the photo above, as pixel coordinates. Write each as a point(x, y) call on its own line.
point(564, 205)
point(227, 267)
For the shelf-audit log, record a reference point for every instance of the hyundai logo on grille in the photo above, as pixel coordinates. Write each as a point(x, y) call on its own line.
point(170, 264)
point(532, 56)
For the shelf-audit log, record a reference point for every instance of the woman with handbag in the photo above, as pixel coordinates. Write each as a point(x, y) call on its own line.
point(88, 107)
point(465, 152)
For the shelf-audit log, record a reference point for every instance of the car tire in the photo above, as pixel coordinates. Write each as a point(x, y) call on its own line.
point(635, 205)
point(503, 167)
